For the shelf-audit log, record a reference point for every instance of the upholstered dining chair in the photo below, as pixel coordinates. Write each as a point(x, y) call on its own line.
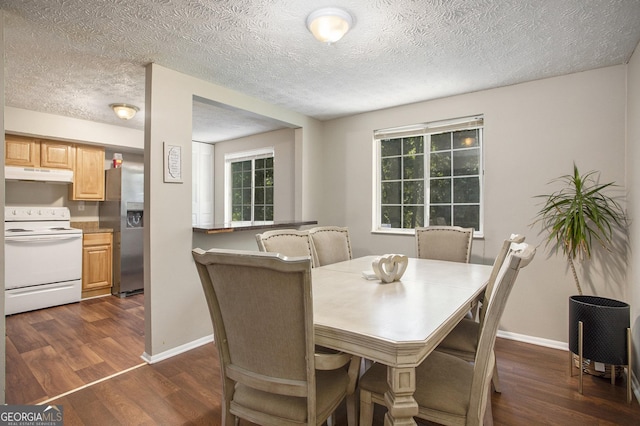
point(450, 390)
point(332, 244)
point(262, 312)
point(452, 243)
point(462, 341)
point(288, 242)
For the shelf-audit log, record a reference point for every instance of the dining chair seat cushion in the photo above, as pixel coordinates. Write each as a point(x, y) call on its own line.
point(462, 339)
point(446, 378)
point(330, 389)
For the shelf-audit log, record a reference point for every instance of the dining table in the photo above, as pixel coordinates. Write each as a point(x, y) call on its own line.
point(397, 324)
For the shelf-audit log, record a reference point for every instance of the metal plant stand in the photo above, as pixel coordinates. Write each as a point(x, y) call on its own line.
point(599, 331)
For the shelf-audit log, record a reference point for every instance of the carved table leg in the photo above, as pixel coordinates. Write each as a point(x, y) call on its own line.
point(399, 398)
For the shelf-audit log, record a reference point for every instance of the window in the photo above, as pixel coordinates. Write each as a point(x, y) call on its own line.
point(429, 174)
point(249, 186)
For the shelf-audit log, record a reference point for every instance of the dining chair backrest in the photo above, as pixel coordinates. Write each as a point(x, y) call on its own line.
point(518, 257)
point(262, 313)
point(506, 247)
point(288, 242)
point(452, 243)
point(462, 341)
point(332, 244)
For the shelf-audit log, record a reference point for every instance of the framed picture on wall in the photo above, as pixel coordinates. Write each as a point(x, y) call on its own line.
point(172, 163)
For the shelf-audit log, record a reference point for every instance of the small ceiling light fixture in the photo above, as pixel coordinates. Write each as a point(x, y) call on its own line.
point(329, 24)
point(124, 111)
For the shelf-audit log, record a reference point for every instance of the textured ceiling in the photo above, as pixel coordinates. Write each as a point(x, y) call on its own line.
point(74, 57)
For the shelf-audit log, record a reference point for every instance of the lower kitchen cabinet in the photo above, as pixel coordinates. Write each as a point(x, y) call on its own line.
point(97, 261)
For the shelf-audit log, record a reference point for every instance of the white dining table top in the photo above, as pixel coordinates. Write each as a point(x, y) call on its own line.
point(396, 323)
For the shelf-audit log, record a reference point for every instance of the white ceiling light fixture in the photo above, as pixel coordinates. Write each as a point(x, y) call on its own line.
point(124, 111)
point(329, 24)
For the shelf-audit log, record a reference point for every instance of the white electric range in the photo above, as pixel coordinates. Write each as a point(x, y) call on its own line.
point(43, 258)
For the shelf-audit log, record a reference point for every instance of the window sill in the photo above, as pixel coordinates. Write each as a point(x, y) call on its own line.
point(392, 231)
point(411, 232)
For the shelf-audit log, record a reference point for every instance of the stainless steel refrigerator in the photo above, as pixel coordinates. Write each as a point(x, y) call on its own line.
point(123, 211)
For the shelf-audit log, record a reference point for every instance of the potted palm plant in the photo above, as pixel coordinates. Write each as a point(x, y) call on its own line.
point(575, 217)
point(578, 214)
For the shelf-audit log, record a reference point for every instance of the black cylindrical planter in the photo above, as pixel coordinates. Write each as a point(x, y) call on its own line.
point(605, 322)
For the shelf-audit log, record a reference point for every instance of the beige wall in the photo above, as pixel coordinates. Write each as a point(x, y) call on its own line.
point(49, 195)
point(533, 133)
point(633, 183)
point(177, 315)
point(283, 143)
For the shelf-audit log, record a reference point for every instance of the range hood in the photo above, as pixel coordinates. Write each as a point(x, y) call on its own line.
point(39, 175)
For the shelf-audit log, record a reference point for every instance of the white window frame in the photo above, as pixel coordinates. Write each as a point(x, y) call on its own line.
point(422, 129)
point(237, 157)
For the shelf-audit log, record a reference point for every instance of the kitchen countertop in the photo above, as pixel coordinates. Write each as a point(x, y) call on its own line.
point(97, 231)
point(90, 227)
point(228, 227)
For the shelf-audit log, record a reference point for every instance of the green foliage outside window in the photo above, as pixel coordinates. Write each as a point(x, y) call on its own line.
point(252, 190)
point(445, 181)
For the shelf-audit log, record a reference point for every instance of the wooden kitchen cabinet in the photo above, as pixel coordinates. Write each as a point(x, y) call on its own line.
point(87, 162)
point(25, 151)
point(97, 260)
point(56, 155)
point(21, 151)
point(88, 176)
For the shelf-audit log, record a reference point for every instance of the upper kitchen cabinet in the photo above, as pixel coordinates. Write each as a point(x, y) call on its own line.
point(56, 155)
point(21, 151)
point(25, 151)
point(88, 177)
point(86, 162)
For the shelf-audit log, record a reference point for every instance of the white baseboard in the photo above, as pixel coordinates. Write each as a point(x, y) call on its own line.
point(554, 344)
point(178, 350)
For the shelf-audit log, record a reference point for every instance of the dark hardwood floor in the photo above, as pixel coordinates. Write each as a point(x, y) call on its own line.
point(55, 350)
point(185, 389)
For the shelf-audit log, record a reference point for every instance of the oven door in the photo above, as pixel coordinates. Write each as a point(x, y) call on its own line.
point(42, 259)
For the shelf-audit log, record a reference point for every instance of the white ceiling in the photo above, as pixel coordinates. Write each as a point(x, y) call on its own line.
point(75, 57)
